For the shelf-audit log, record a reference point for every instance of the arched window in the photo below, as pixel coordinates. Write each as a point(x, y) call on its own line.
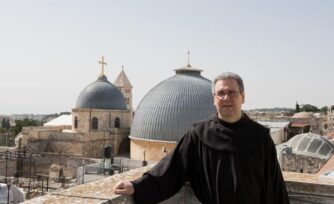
point(75, 122)
point(117, 122)
point(94, 123)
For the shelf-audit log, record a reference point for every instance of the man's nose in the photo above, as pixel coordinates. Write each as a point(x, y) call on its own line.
point(226, 97)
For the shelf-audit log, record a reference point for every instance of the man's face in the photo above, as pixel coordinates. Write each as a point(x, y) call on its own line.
point(228, 99)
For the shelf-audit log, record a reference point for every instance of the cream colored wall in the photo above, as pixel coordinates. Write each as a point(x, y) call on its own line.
point(83, 116)
point(277, 136)
point(106, 119)
point(125, 117)
point(153, 149)
point(89, 144)
point(72, 148)
point(37, 133)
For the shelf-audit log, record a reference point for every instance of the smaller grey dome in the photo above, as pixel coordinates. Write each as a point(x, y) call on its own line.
point(101, 94)
point(312, 145)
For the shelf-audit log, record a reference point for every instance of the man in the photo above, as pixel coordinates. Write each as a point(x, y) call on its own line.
point(228, 158)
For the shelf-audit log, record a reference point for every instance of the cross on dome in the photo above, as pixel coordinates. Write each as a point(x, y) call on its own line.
point(103, 63)
point(188, 65)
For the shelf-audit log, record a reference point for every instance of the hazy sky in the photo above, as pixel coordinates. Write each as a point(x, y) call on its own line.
point(284, 50)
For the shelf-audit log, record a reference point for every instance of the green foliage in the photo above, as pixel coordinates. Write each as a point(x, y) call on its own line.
point(324, 109)
point(310, 108)
point(19, 124)
point(2, 130)
point(6, 136)
point(7, 140)
point(5, 123)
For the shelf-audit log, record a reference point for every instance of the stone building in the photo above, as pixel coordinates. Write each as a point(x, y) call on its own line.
point(330, 119)
point(167, 111)
point(102, 116)
point(278, 130)
point(305, 153)
point(304, 122)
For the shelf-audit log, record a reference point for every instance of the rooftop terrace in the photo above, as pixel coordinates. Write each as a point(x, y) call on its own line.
point(301, 187)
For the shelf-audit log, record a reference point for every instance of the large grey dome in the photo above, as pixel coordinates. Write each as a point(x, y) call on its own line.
point(169, 109)
point(312, 145)
point(101, 94)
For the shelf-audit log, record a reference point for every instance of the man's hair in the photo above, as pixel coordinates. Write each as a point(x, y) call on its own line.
point(228, 75)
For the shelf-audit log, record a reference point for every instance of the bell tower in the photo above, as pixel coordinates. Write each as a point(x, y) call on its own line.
point(123, 83)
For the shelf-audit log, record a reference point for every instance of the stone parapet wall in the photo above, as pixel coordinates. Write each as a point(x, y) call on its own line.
point(96, 192)
point(301, 164)
point(313, 187)
point(309, 188)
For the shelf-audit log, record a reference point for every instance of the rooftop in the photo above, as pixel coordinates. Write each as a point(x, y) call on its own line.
point(60, 121)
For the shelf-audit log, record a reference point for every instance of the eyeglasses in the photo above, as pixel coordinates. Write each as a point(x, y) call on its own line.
point(231, 94)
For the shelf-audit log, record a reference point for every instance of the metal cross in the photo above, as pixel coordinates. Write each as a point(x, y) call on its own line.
point(188, 59)
point(103, 63)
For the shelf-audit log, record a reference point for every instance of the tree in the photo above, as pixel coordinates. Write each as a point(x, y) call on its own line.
point(7, 124)
point(297, 108)
point(19, 124)
point(3, 123)
point(324, 109)
point(310, 108)
point(2, 130)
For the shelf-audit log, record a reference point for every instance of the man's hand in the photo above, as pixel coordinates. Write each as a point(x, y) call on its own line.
point(124, 188)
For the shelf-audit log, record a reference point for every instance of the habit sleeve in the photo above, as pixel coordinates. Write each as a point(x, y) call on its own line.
point(275, 183)
point(167, 177)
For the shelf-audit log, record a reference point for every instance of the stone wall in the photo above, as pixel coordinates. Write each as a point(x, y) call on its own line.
point(302, 164)
point(309, 188)
point(89, 144)
point(302, 188)
point(65, 143)
point(37, 133)
point(94, 142)
point(149, 150)
point(40, 164)
point(316, 124)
